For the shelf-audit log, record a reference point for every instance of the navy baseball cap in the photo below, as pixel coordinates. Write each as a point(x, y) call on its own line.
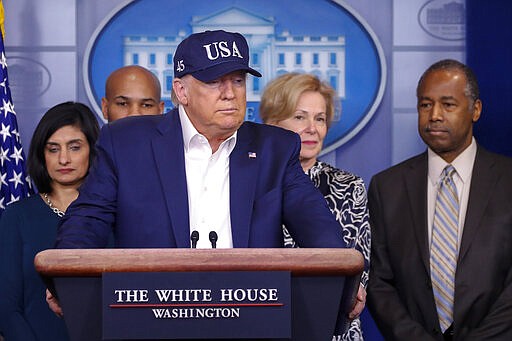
point(212, 54)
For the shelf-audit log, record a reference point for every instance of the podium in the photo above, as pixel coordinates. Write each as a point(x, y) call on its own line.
point(323, 282)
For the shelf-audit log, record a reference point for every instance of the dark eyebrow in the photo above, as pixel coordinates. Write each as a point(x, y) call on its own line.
point(69, 142)
point(445, 98)
point(423, 98)
point(75, 141)
point(149, 99)
point(121, 97)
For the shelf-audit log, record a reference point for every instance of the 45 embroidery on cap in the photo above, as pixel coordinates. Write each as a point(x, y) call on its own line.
point(180, 66)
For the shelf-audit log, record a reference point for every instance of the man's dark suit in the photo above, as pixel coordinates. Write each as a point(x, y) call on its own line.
point(400, 294)
point(138, 187)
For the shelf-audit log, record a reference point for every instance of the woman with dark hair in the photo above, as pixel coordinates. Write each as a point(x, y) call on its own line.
point(61, 151)
point(304, 104)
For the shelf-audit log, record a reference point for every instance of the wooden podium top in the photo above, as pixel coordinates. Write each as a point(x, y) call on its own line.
point(300, 261)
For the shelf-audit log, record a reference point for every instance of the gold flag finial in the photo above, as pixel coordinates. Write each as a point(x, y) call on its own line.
point(2, 18)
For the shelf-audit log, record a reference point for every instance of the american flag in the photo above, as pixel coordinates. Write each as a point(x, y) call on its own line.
point(15, 183)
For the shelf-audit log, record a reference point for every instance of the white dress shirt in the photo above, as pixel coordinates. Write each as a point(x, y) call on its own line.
point(207, 185)
point(463, 164)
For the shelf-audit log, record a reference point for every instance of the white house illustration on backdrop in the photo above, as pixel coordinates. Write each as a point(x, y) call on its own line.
point(271, 54)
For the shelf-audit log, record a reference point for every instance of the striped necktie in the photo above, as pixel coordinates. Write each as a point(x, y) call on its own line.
point(443, 249)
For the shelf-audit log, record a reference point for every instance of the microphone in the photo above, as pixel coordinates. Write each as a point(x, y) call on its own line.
point(194, 237)
point(213, 239)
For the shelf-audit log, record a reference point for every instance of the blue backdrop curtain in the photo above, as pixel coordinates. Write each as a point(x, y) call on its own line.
point(489, 54)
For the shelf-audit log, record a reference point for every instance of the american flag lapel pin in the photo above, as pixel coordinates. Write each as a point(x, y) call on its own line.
point(252, 155)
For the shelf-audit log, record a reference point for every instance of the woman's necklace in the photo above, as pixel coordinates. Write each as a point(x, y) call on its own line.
point(54, 209)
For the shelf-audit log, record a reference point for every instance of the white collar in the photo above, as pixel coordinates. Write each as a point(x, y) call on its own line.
point(189, 132)
point(463, 163)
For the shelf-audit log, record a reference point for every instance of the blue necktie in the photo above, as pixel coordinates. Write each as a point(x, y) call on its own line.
point(443, 249)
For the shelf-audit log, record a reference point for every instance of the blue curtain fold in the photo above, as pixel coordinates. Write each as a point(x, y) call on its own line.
point(489, 54)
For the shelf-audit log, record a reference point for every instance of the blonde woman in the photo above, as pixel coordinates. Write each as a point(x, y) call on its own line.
point(305, 105)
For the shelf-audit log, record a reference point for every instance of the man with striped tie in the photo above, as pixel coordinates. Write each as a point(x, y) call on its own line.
point(442, 224)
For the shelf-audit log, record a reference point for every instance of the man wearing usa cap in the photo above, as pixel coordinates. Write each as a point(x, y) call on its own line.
point(157, 179)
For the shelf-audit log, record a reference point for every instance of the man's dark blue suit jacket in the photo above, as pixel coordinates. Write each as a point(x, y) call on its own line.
point(137, 187)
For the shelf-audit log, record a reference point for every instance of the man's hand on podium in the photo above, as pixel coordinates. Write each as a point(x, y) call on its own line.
point(53, 303)
point(359, 304)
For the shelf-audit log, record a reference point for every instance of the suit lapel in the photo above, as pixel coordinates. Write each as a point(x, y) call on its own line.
point(416, 184)
point(483, 181)
point(243, 169)
point(170, 161)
